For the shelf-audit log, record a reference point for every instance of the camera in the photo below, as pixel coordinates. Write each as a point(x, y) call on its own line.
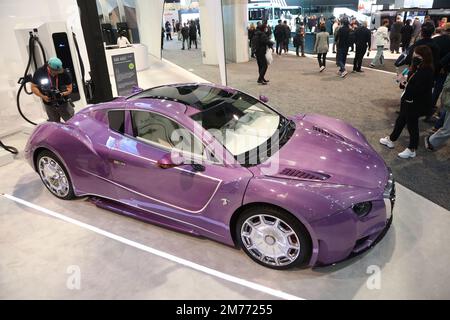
point(56, 97)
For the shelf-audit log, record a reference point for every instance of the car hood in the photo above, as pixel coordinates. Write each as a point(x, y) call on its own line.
point(317, 153)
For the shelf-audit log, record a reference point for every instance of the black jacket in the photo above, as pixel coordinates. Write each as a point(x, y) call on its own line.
point(443, 42)
point(363, 37)
point(185, 32)
point(192, 31)
point(434, 50)
point(396, 28)
point(261, 42)
point(278, 32)
point(417, 98)
point(406, 32)
point(342, 37)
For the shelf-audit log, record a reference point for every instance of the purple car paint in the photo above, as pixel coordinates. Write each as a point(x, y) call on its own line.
point(324, 169)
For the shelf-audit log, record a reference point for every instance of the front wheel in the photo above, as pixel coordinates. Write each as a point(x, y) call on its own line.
point(54, 175)
point(273, 238)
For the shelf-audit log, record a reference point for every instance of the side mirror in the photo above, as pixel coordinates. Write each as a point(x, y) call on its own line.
point(169, 161)
point(264, 99)
point(136, 89)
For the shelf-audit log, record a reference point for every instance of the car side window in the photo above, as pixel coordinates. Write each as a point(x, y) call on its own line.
point(162, 132)
point(116, 119)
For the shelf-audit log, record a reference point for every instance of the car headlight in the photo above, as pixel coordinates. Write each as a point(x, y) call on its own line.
point(362, 209)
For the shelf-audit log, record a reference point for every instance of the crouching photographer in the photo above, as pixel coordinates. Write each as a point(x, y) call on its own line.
point(53, 85)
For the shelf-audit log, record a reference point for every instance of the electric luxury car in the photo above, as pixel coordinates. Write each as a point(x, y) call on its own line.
point(213, 161)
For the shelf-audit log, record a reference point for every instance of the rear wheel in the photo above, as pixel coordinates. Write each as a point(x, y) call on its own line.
point(54, 175)
point(273, 238)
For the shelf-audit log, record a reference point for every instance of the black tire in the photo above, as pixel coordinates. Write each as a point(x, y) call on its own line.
point(46, 153)
point(293, 223)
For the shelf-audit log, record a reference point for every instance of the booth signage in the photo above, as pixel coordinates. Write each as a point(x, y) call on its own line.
point(125, 73)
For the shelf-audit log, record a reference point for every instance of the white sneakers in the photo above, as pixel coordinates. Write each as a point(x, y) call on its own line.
point(343, 74)
point(321, 68)
point(408, 153)
point(386, 141)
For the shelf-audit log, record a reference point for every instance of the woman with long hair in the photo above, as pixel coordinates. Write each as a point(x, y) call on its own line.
point(416, 101)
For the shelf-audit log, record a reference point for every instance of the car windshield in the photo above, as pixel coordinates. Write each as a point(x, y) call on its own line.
point(246, 127)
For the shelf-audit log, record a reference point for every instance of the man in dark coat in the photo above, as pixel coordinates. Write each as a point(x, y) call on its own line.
point(262, 42)
point(395, 35)
point(406, 33)
point(287, 37)
point(342, 38)
point(192, 35)
point(279, 37)
point(363, 38)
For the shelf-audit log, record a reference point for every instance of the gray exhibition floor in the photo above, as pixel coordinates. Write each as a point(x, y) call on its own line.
point(36, 251)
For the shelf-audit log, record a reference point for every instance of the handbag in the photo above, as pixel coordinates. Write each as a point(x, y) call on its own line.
point(401, 60)
point(269, 56)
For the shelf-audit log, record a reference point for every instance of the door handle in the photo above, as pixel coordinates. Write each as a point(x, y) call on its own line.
point(117, 162)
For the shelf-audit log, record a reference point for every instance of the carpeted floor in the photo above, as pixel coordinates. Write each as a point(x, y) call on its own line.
point(368, 101)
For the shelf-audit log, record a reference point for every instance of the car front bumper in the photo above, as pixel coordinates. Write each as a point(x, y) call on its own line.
point(345, 235)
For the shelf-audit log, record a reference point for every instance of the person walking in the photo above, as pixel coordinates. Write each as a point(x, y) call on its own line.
point(178, 30)
point(342, 38)
point(437, 139)
point(279, 34)
point(168, 31)
point(395, 35)
point(427, 30)
point(363, 39)
point(443, 43)
point(287, 37)
point(251, 32)
point(299, 40)
point(321, 46)
point(262, 43)
point(415, 101)
point(406, 34)
point(192, 35)
point(381, 35)
point(336, 26)
point(416, 30)
point(185, 36)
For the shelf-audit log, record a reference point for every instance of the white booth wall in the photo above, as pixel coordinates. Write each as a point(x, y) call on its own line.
point(25, 13)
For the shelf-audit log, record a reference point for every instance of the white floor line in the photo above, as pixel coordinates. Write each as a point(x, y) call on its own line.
point(164, 255)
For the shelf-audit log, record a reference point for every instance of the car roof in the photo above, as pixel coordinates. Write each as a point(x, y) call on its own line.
point(189, 94)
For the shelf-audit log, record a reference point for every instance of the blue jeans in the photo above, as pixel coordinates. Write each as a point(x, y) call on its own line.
point(443, 134)
point(342, 58)
point(440, 122)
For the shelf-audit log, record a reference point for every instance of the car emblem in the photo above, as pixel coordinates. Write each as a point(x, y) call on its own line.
point(225, 202)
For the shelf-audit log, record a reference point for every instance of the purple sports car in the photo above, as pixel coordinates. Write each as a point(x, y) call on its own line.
point(213, 161)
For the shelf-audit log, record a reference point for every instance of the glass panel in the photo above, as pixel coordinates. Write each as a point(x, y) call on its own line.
point(162, 132)
point(186, 43)
point(240, 122)
point(117, 120)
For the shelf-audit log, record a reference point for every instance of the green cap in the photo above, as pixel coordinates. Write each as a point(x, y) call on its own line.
point(55, 64)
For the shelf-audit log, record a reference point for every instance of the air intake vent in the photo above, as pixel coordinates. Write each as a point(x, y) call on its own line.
point(300, 174)
point(326, 133)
